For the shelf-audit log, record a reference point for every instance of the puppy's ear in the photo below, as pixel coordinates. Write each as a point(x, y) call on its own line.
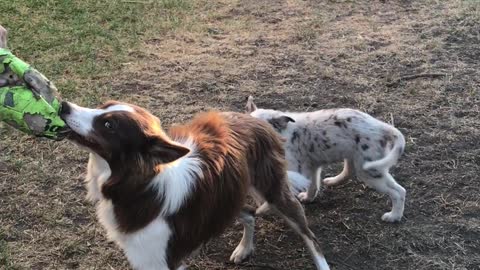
point(280, 123)
point(165, 151)
point(250, 107)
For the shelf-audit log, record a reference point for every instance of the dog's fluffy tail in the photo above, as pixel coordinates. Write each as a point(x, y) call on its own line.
point(391, 157)
point(299, 183)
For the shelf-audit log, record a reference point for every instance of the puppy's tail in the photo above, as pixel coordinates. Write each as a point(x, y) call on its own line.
point(392, 153)
point(299, 183)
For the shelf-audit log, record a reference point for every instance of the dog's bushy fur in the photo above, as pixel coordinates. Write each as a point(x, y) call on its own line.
point(161, 195)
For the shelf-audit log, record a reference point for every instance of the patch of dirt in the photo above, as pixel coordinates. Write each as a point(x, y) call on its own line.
point(298, 56)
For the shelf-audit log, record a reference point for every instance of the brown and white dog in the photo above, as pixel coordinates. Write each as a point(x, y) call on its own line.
point(161, 196)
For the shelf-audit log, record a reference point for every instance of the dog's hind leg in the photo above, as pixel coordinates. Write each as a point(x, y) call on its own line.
point(246, 246)
point(386, 184)
point(292, 211)
point(344, 175)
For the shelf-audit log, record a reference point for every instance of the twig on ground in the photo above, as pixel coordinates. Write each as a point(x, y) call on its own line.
point(342, 263)
point(254, 265)
point(415, 76)
point(136, 2)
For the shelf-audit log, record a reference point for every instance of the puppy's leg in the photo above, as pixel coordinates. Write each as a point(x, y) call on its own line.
point(344, 175)
point(263, 209)
point(312, 191)
point(245, 247)
point(182, 267)
point(385, 183)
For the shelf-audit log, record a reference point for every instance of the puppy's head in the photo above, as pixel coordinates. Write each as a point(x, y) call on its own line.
point(121, 132)
point(276, 118)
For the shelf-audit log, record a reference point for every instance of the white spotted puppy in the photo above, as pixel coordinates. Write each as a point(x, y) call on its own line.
point(369, 148)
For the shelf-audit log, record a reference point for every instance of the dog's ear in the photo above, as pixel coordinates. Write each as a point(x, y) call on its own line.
point(280, 123)
point(165, 151)
point(250, 107)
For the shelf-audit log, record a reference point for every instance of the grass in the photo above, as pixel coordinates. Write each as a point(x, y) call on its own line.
point(76, 43)
point(5, 262)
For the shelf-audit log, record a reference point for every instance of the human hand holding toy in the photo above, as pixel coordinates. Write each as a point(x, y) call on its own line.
point(28, 100)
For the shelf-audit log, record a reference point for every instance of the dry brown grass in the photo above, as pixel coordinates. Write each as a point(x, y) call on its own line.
point(292, 55)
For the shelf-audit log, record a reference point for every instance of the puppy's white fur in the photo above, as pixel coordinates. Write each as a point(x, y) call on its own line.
point(314, 139)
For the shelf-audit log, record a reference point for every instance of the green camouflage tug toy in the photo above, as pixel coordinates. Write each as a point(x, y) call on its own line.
point(28, 100)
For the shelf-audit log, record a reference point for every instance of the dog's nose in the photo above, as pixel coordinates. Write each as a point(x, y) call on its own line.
point(66, 109)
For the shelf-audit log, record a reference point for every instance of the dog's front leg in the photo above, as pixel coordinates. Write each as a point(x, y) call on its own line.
point(246, 246)
point(312, 191)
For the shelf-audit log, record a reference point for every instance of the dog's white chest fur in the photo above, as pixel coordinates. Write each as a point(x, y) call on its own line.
point(146, 248)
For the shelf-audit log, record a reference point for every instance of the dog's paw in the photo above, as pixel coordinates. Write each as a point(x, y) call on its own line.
point(263, 209)
point(303, 197)
point(241, 253)
point(390, 217)
point(330, 181)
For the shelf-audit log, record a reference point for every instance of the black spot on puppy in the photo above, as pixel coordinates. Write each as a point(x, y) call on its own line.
point(341, 124)
point(383, 143)
point(357, 139)
point(295, 137)
point(312, 148)
point(280, 123)
point(324, 133)
point(375, 174)
point(365, 147)
point(349, 119)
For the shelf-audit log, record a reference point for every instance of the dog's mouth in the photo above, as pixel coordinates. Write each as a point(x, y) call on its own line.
point(83, 140)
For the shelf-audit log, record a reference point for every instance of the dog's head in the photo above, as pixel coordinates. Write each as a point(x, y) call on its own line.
point(276, 118)
point(121, 132)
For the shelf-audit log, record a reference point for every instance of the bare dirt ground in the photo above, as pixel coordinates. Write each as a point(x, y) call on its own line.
point(299, 56)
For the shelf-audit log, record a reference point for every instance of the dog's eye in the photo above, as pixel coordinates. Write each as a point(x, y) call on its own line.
point(108, 125)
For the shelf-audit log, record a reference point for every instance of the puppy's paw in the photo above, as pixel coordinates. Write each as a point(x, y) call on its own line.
point(241, 253)
point(263, 209)
point(331, 181)
point(303, 197)
point(390, 217)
